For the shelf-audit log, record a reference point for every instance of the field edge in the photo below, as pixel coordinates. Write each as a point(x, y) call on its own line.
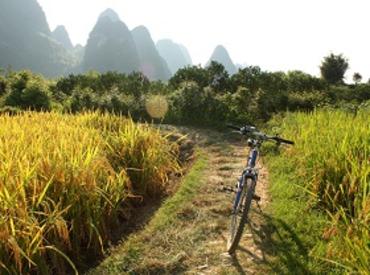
point(296, 241)
point(126, 256)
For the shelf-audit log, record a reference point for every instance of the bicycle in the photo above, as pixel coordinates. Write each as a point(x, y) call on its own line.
point(245, 188)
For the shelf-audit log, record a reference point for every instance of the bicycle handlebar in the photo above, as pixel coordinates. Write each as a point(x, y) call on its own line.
point(254, 132)
point(281, 140)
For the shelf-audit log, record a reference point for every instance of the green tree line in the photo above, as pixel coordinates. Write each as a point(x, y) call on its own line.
point(195, 95)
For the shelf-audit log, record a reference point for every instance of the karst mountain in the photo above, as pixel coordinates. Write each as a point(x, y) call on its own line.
point(110, 46)
point(151, 63)
point(61, 35)
point(26, 41)
point(221, 55)
point(176, 55)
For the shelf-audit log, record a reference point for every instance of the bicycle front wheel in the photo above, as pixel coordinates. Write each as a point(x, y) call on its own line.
point(240, 215)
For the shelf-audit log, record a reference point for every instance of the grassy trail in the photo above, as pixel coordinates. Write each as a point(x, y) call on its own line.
point(188, 234)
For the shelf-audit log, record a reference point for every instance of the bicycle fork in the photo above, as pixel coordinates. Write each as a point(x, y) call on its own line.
point(248, 173)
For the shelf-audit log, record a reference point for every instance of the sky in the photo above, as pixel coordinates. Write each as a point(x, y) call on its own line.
point(277, 35)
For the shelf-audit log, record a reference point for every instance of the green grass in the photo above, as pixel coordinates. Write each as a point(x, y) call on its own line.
point(159, 248)
point(321, 190)
point(295, 229)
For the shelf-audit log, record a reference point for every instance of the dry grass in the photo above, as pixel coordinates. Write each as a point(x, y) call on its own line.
point(65, 180)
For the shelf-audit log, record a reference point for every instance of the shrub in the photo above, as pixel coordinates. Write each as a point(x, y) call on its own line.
point(305, 101)
point(3, 85)
point(28, 91)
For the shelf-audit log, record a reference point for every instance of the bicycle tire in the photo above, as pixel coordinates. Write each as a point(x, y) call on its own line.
point(236, 230)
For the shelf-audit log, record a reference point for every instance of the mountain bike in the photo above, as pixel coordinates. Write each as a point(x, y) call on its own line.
point(246, 184)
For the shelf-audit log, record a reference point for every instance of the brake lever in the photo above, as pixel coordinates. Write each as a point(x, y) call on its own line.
point(235, 131)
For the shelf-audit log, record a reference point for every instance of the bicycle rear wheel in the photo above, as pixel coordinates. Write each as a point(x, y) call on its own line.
point(240, 215)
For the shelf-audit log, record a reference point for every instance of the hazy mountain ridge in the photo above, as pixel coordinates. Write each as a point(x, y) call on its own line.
point(110, 46)
point(221, 55)
point(61, 35)
point(111, 14)
point(186, 54)
point(26, 41)
point(176, 55)
point(151, 63)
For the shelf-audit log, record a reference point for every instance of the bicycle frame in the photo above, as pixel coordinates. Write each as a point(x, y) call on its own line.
point(246, 184)
point(248, 172)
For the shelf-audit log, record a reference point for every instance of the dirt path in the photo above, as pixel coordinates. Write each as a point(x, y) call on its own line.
point(188, 236)
point(227, 157)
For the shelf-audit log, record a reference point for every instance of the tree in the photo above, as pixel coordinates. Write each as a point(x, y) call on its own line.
point(333, 68)
point(298, 81)
point(218, 77)
point(357, 78)
point(28, 91)
point(249, 77)
point(194, 73)
point(3, 85)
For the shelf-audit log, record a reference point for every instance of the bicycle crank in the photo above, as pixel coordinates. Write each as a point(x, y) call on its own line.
point(228, 189)
point(256, 198)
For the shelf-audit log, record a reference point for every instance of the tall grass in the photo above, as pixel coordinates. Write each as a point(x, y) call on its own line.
point(332, 154)
point(64, 180)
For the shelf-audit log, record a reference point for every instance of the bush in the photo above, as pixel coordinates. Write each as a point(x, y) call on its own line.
point(10, 111)
point(196, 95)
point(28, 91)
point(191, 104)
point(188, 103)
point(305, 101)
point(3, 85)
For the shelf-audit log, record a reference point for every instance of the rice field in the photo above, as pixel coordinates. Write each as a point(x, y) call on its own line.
point(332, 154)
point(65, 180)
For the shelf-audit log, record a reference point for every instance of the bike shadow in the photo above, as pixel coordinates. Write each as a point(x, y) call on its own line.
point(280, 250)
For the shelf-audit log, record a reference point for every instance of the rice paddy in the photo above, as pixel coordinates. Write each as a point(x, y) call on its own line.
point(65, 180)
point(332, 154)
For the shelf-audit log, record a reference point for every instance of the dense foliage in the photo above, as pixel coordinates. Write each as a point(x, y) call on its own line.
point(199, 96)
point(333, 68)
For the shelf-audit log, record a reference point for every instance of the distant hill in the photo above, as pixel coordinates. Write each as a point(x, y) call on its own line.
point(176, 55)
point(111, 14)
point(61, 35)
point(111, 46)
point(151, 63)
point(26, 41)
point(186, 54)
point(78, 52)
point(241, 66)
point(221, 55)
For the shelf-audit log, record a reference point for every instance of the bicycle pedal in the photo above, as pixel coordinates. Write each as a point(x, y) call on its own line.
point(228, 189)
point(256, 198)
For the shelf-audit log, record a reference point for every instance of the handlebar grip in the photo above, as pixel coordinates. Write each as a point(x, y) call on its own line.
point(233, 127)
point(281, 140)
